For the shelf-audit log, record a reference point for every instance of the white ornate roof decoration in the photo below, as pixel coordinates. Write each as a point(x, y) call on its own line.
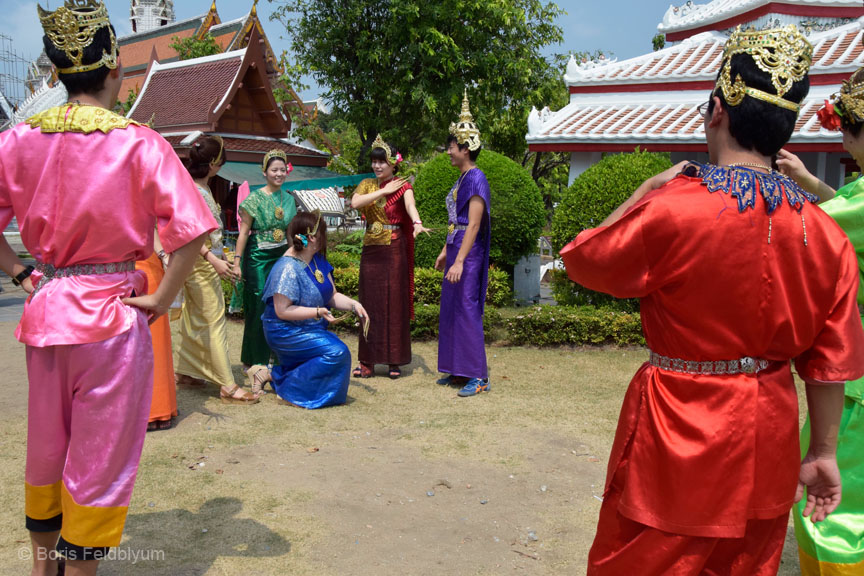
point(5, 108)
point(576, 68)
point(692, 15)
point(42, 99)
point(668, 117)
point(148, 15)
point(835, 51)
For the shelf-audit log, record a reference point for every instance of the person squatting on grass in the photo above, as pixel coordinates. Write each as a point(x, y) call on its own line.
point(738, 274)
point(89, 188)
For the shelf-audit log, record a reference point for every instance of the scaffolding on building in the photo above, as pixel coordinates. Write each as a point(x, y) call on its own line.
point(13, 73)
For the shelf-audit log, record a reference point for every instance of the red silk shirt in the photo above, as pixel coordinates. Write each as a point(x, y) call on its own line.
point(705, 453)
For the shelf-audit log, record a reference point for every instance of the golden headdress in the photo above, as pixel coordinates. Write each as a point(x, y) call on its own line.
point(783, 53)
point(847, 104)
point(466, 131)
point(391, 159)
point(71, 29)
point(275, 153)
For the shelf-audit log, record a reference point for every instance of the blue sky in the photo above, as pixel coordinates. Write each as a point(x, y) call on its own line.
point(621, 27)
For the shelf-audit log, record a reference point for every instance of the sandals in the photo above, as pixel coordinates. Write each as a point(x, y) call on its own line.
point(257, 380)
point(230, 397)
point(156, 425)
point(395, 372)
point(363, 371)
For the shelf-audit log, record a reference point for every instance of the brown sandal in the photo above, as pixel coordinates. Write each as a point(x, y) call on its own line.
point(160, 425)
point(257, 381)
point(363, 371)
point(184, 381)
point(230, 397)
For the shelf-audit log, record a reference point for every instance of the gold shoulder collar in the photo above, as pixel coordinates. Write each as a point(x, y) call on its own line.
point(77, 118)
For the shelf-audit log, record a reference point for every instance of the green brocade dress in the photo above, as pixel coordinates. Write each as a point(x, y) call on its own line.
point(262, 251)
point(835, 546)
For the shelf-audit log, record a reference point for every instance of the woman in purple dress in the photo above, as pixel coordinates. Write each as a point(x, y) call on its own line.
point(465, 262)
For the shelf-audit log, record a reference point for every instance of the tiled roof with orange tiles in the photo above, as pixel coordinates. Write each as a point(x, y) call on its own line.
point(193, 91)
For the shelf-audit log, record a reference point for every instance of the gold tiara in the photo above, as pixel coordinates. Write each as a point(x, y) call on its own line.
point(71, 29)
point(275, 153)
point(391, 159)
point(783, 53)
point(466, 131)
point(849, 102)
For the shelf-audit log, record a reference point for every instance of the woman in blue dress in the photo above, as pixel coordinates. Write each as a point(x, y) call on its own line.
point(314, 364)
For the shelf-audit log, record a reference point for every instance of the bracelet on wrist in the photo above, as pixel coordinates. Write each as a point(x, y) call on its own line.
point(317, 313)
point(23, 275)
point(420, 222)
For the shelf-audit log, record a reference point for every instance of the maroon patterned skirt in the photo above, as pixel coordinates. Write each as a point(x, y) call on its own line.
point(385, 293)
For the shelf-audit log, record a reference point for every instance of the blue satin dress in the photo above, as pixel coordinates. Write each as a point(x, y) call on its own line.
point(314, 364)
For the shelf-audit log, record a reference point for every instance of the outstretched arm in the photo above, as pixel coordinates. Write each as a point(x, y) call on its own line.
point(651, 184)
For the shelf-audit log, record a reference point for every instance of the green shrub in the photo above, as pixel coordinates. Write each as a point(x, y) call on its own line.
point(339, 259)
point(427, 247)
point(517, 210)
point(499, 293)
point(601, 189)
point(591, 198)
point(565, 325)
point(568, 293)
point(427, 286)
point(347, 280)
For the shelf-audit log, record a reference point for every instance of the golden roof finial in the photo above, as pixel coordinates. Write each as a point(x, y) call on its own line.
point(254, 11)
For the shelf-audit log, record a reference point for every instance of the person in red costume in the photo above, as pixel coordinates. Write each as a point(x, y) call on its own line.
point(738, 275)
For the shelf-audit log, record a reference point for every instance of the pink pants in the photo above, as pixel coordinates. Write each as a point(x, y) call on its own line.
point(88, 410)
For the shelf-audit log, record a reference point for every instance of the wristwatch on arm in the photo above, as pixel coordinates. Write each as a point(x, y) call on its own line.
point(23, 275)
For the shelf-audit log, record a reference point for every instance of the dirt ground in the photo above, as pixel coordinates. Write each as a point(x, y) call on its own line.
point(405, 479)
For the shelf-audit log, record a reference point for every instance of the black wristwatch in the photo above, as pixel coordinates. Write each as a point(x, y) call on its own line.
point(24, 274)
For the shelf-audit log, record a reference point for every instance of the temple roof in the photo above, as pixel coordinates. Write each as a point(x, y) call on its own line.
point(234, 143)
point(652, 120)
point(187, 92)
point(697, 59)
point(724, 13)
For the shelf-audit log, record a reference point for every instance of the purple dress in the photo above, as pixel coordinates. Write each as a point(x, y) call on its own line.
point(461, 346)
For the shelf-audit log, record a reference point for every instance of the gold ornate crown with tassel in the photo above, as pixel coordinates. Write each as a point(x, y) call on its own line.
point(71, 29)
point(783, 53)
point(391, 159)
point(275, 153)
point(466, 131)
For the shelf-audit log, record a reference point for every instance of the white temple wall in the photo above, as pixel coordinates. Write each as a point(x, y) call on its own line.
point(580, 162)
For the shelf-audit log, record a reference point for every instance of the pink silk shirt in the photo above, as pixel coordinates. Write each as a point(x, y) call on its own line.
point(88, 199)
point(702, 454)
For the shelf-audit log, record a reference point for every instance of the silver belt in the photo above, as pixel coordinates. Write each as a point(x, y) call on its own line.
point(49, 272)
point(745, 365)
point(378, 227)
point(453, 227)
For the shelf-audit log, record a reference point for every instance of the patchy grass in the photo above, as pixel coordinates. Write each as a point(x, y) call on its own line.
point(346, 490)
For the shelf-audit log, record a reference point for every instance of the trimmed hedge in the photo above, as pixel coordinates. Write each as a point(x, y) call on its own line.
point(592, 197)
point(427, 285)
point(517, 209)
point(565, 325)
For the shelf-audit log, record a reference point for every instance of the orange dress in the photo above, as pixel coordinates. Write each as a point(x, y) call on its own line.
point(702, 454)
point(164, 404)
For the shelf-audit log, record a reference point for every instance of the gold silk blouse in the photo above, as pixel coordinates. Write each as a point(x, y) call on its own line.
point(375, 215)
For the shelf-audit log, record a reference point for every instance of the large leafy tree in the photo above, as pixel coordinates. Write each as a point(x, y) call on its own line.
point(400, 66)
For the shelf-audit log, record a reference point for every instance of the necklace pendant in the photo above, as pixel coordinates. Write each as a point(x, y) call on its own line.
point(381, 202)
point(278, 235)
point(319, 276)
point(279, 213)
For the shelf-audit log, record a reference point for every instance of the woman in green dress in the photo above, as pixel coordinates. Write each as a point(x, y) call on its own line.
point(835, 546)
point(265, 216)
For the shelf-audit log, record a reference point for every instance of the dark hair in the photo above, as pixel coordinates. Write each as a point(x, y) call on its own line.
point(270, 161)
point(472, 154)
point(203, 153)
point(381, 155)
point(853, 128)
point(91, 82)
point(301, 224)
point(756, 124)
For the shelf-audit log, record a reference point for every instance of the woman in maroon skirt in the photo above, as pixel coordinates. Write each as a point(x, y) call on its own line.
point(387, 262)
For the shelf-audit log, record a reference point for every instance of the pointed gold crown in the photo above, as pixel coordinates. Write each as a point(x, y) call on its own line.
point(783, 53)
point(275, 153)
point(849, 102)
point(466, 131)
point(380, 143)
point(72, 27)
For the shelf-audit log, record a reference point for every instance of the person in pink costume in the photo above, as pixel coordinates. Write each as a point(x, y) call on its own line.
point(89, 188)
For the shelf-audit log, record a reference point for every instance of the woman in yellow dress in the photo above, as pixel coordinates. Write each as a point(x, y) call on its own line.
point(202, 353)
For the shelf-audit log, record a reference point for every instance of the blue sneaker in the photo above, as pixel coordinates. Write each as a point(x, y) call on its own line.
point(474, 386)
point(445, 381)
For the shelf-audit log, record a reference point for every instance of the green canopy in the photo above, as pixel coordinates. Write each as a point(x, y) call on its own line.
point(300, 178)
